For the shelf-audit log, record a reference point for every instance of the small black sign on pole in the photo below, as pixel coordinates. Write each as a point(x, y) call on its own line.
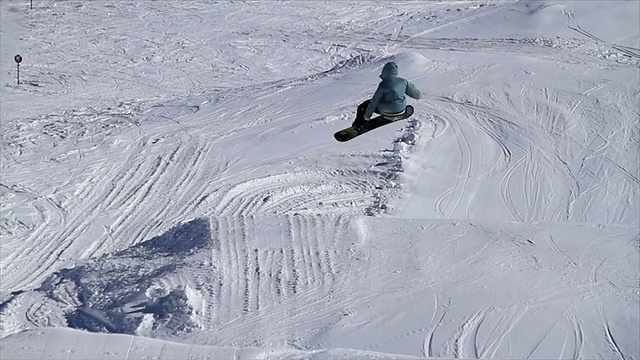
point(18, 60)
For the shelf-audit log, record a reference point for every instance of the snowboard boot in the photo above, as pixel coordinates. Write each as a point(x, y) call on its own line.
point(359, 125)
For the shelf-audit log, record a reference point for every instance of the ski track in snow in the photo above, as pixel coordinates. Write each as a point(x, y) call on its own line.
point(204, 201)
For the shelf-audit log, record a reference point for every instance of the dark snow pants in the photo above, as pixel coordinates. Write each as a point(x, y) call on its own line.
point(359, 121)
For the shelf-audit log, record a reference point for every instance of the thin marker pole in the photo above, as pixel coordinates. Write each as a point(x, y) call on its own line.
point(18, 60)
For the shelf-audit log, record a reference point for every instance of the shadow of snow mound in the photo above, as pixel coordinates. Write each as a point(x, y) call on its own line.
point(182, 239)
point(144, 290)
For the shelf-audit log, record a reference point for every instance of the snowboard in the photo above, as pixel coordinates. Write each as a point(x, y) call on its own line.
point(376, 122)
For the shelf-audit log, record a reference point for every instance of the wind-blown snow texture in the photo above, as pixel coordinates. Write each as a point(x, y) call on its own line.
point(171, 188)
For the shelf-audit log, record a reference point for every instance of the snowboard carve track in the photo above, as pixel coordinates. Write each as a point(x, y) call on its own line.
point(466, 344)
point(608, 334)
point(427, 344)
point(578, 334)
point(443, 202)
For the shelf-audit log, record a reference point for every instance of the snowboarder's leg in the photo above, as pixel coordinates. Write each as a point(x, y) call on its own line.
point(359, 121)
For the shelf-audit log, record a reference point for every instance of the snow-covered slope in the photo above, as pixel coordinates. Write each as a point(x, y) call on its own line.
point(169, 172)
point(432, 288)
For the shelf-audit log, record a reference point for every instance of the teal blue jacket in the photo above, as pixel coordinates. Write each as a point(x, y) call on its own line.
point(390, 95)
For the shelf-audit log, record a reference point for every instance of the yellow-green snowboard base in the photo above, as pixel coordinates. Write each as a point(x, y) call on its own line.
point(350, 133)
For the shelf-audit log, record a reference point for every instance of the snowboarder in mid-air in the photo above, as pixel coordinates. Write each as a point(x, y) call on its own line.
point(389, 98)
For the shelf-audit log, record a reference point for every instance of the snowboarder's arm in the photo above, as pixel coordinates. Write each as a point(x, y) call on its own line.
point(412, 91)
point(373, 104)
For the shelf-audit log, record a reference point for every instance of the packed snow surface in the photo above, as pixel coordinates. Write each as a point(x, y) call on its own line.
point(170, 186)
